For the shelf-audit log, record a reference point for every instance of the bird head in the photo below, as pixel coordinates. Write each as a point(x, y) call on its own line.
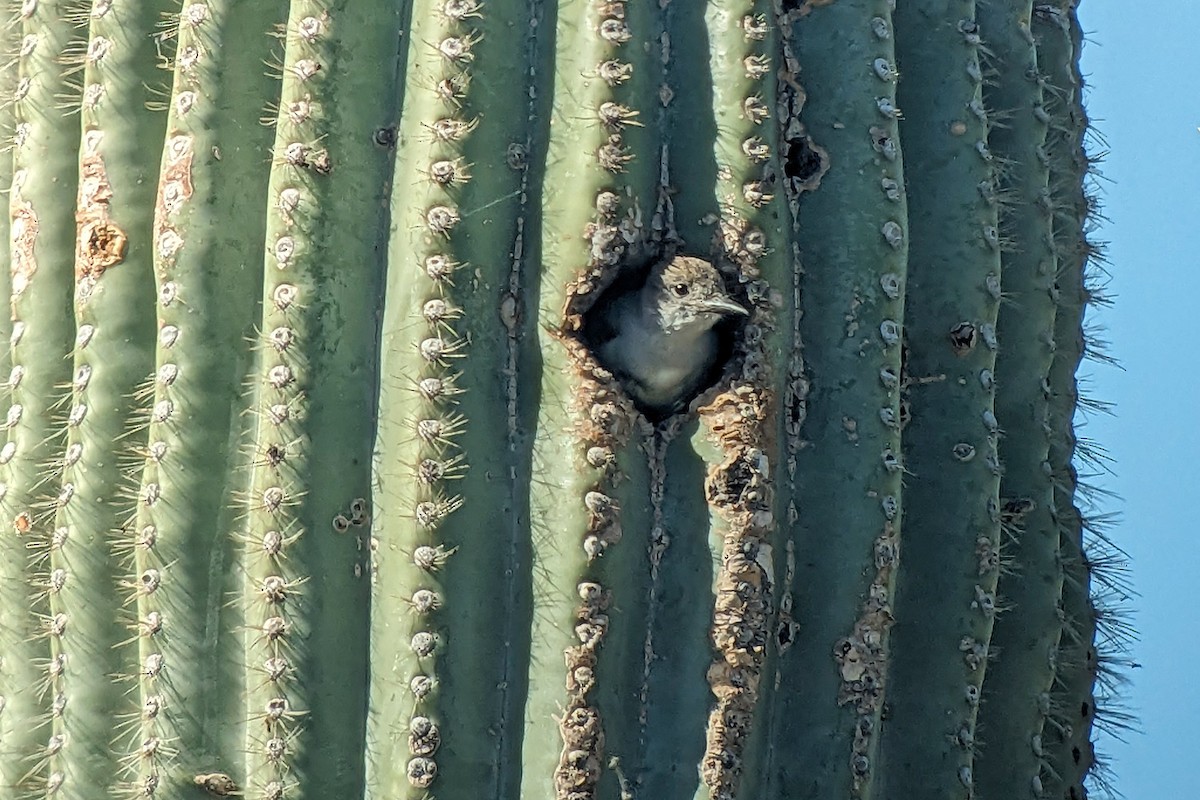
point(688, 293)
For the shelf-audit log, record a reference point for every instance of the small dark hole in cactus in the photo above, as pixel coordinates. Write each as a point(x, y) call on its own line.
point(1076, 754)
point(1085, 710)
point(802, 162)
point(275, 455)
point(385, 137)
point(796, 410)
point(321, 163)
point(963, 337)
point(728, 486)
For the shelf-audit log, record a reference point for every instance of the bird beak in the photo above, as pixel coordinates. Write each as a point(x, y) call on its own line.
point(723, 305)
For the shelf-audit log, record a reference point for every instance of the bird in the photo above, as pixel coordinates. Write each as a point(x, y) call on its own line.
point(659, 340)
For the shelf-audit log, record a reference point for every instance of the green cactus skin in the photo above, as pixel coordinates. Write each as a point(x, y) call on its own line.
point(742, 436)
point(598, 195)
point(10, 45)
point(357, 514)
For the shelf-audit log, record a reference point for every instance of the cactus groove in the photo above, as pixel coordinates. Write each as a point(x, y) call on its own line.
point(313, 487)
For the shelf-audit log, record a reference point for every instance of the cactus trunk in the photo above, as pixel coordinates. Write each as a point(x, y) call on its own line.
point(314, 487)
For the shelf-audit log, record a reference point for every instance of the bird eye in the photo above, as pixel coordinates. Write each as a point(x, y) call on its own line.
point(680, 289)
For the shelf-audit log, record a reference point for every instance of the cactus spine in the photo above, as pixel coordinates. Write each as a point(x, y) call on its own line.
point(316, 489)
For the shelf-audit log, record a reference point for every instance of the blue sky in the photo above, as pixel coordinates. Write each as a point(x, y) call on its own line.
point(1143, 101)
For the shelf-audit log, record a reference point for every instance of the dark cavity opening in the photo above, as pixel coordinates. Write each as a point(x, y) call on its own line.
point(802, 162)
point(609, 318)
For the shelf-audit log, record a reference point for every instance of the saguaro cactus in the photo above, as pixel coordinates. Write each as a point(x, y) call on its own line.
point(313, 486)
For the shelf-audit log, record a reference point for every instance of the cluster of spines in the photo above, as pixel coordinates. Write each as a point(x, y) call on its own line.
point(619, 135)
point(862, 656)
point(599, 426)
point(624, 173)
point(438, 439)
point(167, 626)
point(601, 431)
point(150, 552)
point(112, 356)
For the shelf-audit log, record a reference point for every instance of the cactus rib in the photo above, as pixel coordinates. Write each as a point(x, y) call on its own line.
point(946, 581)
point(1012, 717)
point(852, 239)
point(42, 227)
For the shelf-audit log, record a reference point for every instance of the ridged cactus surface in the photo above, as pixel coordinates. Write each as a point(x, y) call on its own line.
point(314, 487)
